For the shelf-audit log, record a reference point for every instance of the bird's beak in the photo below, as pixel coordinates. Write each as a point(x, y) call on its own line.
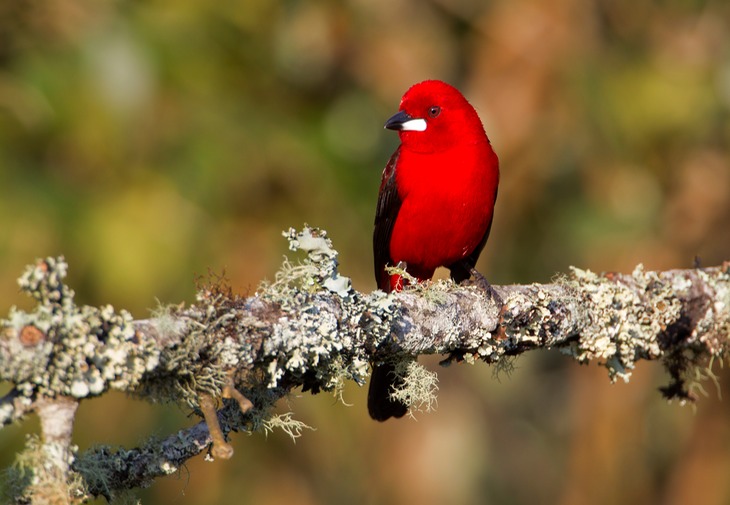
point(402, 121)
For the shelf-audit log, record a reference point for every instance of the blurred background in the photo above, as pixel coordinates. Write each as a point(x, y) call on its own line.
point(152, 141)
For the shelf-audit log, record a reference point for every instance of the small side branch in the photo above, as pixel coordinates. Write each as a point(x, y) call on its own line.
point(107, 471)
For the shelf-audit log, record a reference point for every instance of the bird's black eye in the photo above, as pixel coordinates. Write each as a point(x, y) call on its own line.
point(434, 111)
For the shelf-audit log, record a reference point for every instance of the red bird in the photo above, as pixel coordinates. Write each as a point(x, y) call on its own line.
point(435, 205)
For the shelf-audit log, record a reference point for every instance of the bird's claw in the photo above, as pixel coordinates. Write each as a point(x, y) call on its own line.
point(482, 282)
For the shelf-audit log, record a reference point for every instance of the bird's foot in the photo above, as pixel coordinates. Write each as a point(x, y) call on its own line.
point(480, 281)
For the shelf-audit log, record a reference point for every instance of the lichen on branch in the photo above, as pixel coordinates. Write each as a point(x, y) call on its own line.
point(62, 349)
point(310, 329)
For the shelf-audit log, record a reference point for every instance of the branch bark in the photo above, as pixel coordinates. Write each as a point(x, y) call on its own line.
point(310, 329)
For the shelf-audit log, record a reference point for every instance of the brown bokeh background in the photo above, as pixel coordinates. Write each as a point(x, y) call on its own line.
point(151, 141)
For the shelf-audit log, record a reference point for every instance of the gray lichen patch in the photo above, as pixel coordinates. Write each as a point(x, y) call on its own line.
point(451, 318)
point(713, 325)
point(699, 337)
point(679, 317)
point(528, 319)
point(197, 362)
point(626, 318)
point(307, 328)
point(63, 349)
point(316, 340)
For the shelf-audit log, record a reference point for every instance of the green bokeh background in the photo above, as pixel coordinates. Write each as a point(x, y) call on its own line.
point(150, 142)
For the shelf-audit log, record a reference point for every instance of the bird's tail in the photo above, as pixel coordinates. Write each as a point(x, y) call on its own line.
point(382, 382)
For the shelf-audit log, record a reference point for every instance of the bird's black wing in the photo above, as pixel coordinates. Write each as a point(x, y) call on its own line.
point(383, 380)
point(385, 215)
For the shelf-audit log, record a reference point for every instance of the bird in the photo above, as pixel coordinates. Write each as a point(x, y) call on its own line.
point(435, 205)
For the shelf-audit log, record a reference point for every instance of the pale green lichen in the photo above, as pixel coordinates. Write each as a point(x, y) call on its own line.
point(418, 387)
point(286, 423)
point(340, 378)
point(700, 375)
point(166, 319)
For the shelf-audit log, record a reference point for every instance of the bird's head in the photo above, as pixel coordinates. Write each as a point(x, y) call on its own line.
point(434, 117)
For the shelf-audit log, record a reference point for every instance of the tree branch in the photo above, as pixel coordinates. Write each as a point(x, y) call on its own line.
point(310, 329)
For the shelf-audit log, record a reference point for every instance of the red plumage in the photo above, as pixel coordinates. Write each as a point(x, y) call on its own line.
point(436, 201)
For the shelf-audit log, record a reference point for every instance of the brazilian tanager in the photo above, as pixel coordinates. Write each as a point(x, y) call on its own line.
point(435, 205)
